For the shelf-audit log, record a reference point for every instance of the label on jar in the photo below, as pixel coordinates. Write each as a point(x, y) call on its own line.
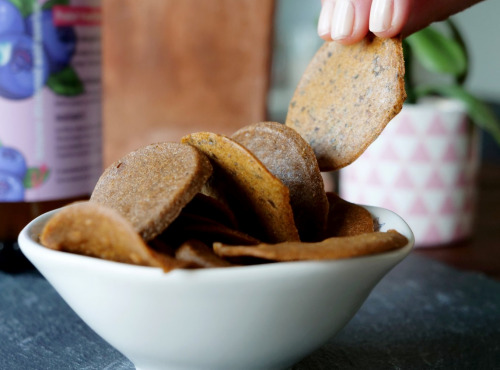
point(50, 99)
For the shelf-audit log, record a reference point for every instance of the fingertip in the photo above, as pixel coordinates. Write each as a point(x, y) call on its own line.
point(325, 20)
point(388, 34)
point(388, 17)
point(326, 37)
point(350, 21)
point(353, 39)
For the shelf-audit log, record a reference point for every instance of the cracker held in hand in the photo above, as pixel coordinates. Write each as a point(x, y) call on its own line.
point(290, 158)
point(150, 186)
point(328, 249)
point(257, 194)
point(346, 97)
point(95, 230)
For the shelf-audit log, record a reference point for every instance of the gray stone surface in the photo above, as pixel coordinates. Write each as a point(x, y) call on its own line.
point(39, 331)
point(422, 315)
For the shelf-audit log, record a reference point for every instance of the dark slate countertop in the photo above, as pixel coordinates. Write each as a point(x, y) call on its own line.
point(422, 315)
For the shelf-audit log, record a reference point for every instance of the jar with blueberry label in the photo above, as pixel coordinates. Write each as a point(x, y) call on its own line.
point(50, 110)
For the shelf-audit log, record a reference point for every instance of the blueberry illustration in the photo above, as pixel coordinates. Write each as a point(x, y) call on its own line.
point(11, 20)
point(17, 73)
point(12, 162)
point(59, 42)
point(11, 188)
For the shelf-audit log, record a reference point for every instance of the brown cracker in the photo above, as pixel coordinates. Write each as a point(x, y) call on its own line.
point(347, 219)
point(207, 230)
point(328, 249)
point(346, 97)
point(213, 208)
point(263, 200)
point(290, 158)
point(196, 254)
point(150, 186)
point(95, 230)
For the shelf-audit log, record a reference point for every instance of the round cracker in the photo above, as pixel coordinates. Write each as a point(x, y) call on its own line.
point(94, 230)
point(190, 226)
point(328, 249)
point(212, 208)
point(199, 255)
point(257, 196)
point(290, 158)
point(346, 97)
point(150, 186)
point(347, 219)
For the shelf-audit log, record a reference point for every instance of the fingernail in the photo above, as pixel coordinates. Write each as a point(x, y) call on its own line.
point(343, 19)
point(325, 17)
point(381, 15)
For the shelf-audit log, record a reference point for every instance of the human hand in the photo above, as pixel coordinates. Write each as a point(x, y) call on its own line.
point(348, 21)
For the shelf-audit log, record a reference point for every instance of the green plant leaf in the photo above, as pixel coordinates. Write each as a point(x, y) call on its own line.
point(65, 82)
point(24, 6)
point(35, 177)
point(50, 4)
point(457, 36)
point(409, 83)
point(438, 53)
point(479, 112)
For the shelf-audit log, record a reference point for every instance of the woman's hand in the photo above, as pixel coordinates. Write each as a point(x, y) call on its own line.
point(348, 21)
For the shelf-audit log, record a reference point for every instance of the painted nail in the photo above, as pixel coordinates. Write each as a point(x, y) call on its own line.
point(343, 19)
point(325, 18)
point(381, 15)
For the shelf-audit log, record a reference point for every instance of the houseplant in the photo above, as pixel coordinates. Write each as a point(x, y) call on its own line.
point(424, 165)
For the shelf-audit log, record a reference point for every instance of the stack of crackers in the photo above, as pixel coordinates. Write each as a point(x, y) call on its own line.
point(257, 196)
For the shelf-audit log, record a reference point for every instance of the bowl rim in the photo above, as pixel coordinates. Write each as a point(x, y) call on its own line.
point(33, 250)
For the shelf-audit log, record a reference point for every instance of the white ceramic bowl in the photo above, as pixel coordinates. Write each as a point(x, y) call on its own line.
point(256, 317)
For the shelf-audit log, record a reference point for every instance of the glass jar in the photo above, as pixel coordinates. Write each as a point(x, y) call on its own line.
point(50, 111)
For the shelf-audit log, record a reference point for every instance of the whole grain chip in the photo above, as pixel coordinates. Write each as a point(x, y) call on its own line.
point(347, 219)
point(197, 254)
point(150, 186)
point(95, 230)
point(255, 191)
point(213, 208)
point(290, 158)
point(188, 226)
point(346, 97)
point(328, 249)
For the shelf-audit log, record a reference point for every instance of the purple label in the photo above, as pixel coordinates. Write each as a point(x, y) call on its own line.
point(50, 101)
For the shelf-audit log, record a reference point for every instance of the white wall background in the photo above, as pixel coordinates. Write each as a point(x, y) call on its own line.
point(296, 42)
point(480, 25)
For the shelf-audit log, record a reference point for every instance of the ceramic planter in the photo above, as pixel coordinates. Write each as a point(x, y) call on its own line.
point(423, 167)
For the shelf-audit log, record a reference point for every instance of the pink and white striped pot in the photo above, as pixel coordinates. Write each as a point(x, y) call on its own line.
point(423, 167)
